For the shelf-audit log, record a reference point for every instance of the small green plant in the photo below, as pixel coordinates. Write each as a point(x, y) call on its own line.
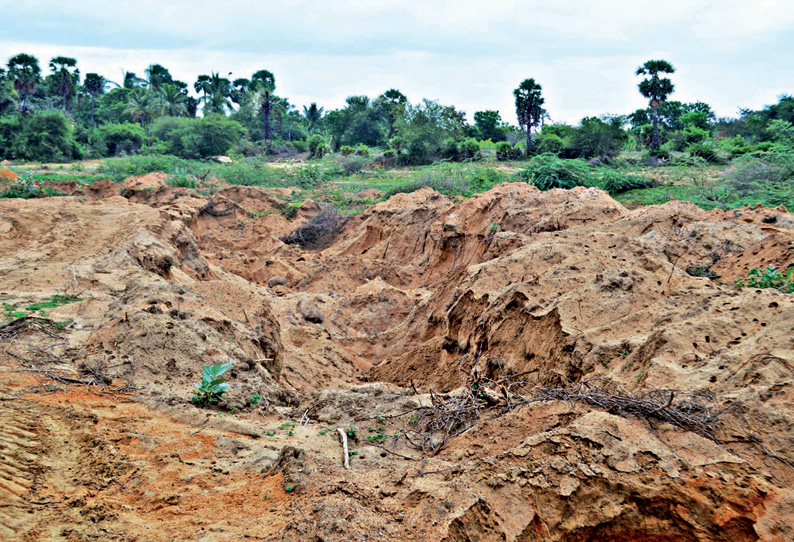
point(270, 434)
point(181, 178)
point(287, 425)
point(351, 431)
point(377, 437)
point(769, 278)
point(254, 400)
point(289, 488)
point(232, 409)
point(212, 386)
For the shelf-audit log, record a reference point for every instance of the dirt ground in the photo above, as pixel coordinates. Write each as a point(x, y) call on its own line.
point(520, 366)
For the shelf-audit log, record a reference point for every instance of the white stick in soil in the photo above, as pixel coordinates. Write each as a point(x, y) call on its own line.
point(344, 445)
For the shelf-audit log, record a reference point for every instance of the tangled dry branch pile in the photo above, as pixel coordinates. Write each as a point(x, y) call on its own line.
point(429, 428)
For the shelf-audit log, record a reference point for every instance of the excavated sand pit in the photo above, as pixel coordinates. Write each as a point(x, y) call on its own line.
point(507, 368)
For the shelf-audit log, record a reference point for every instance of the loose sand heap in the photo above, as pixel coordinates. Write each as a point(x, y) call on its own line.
point(520, 366)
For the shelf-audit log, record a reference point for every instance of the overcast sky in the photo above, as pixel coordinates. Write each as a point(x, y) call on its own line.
point(471, 54)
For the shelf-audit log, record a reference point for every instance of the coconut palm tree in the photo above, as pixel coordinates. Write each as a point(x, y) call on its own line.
point(131, 80)
point(313, 116)
point(24, 71)
point(141, 106)
point(65, 75)
point(656, 89)
point(157, 76)
point(240, 88)
point(94, 85)
point(171, 101)
point(529, 107)
point(263, 83)
point(8, 96)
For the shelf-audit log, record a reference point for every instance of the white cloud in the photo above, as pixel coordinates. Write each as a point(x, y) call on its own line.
point(464, 52)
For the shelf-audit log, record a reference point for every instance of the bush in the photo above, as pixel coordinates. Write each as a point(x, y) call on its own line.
point(362, 150)
point(450, 150)
point(248, 172)
point(118, 169)
point(506, 151)
point(247, 148)
point(346, 150)
point(389, 158)
point(198, 138)
point(547, 171)
point(549, 144)
point(318, 231)
point(300, 145)
point(469, 150)
point(46, 136)
point(706, 150)
point(769, 278)
point(352, 164)
point(125, 138)
point(317, 146)
point(181, 178)
point(616, 182)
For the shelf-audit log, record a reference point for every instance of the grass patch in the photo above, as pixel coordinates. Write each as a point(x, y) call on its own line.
point(13, 311)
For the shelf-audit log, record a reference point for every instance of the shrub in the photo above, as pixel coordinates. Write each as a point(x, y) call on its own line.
point(300, 145)
point(314, 143)
point(549, 144)
point(547, 171)
point(118, 169)
point(346, 150)
point(352, 164)
point(450, 149)
point(181, 178)
point(46, 136)
point(469, 149)
point(212, 386)
point(248, 172)
point(317, 231)
point(389, 158)
point(125, 138)
point(616, 182)
point(769, 278)
point(362, 150)
point(397, 144)
point(506, 151)
point(198, 138)
point(706, 150)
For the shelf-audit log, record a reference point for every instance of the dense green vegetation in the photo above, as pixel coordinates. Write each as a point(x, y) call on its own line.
point(152, 123)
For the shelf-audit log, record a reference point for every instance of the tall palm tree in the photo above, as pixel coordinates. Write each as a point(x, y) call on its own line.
point(394, 102)
point(141, 106)
point(157, 76)
point(240, 88)
point(66, 76)
point(313, 116)
point(263, 83)
point(25, 72)
point(202, 84)
point(656, 89)
point(215, 103)
point(131, 80)
point(529, 107)
point(8, 96)
point(94, 85)
point(171, 101)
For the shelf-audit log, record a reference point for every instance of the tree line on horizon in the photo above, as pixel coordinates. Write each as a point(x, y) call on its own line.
point(62, 116)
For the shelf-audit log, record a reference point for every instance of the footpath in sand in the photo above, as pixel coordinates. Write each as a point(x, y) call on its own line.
point(520, 366)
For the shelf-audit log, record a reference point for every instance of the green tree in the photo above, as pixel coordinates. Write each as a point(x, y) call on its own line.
point(263, 84)
point(157, 76)
point(656, 89)
point(94, 85)
point(313, 116)
point(46, 136)
point(216, 90)
point(66, 76)
point(171, 101)
point(8, 96)
point(394, 102)
point(130, 80)
point(141, 106)
point(488, 125)
point(529, 107)
point(24, 71)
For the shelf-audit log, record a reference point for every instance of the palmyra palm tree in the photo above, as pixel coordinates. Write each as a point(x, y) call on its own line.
point(66, 76)
point(656, 89)
point(25, 72)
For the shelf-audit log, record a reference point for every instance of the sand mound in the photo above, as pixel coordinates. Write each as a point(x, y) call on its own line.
point(419, 296)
